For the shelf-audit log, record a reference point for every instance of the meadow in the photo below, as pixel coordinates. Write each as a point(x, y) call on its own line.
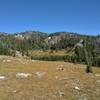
point(26, 79)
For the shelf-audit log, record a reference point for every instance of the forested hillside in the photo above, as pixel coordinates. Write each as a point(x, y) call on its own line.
point(24, 43)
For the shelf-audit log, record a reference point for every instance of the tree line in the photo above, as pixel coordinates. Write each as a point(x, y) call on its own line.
point(25, 43)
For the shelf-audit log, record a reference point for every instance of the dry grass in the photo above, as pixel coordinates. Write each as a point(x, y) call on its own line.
point(58, 83)
point(48, 53)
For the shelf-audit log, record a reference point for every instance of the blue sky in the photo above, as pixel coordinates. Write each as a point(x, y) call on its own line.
point(82, 16)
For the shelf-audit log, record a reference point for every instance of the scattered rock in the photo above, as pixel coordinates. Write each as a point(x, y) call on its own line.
point(56, 77)
point(98, 81)
point(77, 88)
point(23, 75)
point(97, 75)
point(40, 74)
point(60, 93)
point(60, 68)
point(33, 60)
point(97, 90)
point(18, 54)
point(14, 91)
point(7, 60)
point(2, 77)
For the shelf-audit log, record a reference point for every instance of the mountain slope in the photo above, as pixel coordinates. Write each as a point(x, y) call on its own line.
point(26, 42)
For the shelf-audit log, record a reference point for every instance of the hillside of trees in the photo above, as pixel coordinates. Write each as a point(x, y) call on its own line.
point(24, 43)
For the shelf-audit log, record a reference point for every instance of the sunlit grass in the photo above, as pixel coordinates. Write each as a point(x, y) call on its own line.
point(47, 87)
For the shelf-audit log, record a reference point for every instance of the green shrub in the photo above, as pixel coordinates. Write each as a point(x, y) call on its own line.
point(88, 69)
point(96, 62)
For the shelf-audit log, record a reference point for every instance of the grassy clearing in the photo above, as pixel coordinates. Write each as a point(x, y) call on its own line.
point(61, 55)
point(48, 53)
point(58, 83)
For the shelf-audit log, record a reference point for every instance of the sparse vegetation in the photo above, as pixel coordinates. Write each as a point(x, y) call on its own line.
point(89, 69)
point(43, 80)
